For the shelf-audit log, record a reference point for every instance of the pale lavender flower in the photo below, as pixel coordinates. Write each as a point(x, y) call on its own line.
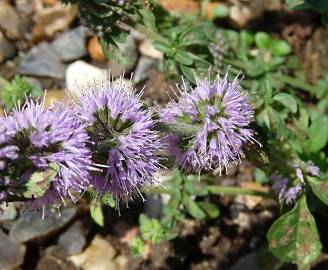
point(123, 128)
point(313, 170)
point(221, 111)
point(285, 193)
point(42, 138)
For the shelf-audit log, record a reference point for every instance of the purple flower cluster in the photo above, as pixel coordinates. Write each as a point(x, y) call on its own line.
point(34, 139)
point(124, 140)
point(287, 192)
point(221, 111)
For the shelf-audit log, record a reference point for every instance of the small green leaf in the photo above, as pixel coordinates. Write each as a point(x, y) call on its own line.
point(183, 57)
point(279, 47)
point(294, 236)
point(318, 134)
point(211, 210)
point(262, 40)
point(319, 188)
point(196, 188)
point(287, 100)
point(148, 19)
point(260, 176)
point(246, 38)
point(151, 229)
point(221, 11)
point(192, 207)
point(96, 213)
point(137, 246)
point(39, 182)
point(108, 199)
point(189, 73)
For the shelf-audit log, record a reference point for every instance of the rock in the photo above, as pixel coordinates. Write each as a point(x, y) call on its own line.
point(42, 61)
point(121, 262)
point(11, 253)
point(73, 240)
point(7, 49)
point(248, 262)
point(181, 6)
point(7, 212)
point(10, 23)
point(251, 201)
point(95, 51)
point(98, 256)
point(30, 226)
point(51, 19)
point(130, 53)
point(70, 45)
point(53, 96)
point(144, 64)
point(146, 48)
point(80, 75)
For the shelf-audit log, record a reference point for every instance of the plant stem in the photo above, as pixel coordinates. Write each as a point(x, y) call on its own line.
point(183, 130)
point(150, 34)
point(216, 189)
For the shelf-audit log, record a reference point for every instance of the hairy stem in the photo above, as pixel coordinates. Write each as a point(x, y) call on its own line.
point(181, 129)
point(216, 189)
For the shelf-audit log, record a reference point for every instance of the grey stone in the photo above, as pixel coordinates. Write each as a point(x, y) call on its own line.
point(130, 53)
point(30, 226)
point(7, 212)
point(248, 262)
point(10, 22)
point(73, 240)
point(70, 45)
point(11, 253)
point(7, 49)
point(42, 61)
point(144, 64)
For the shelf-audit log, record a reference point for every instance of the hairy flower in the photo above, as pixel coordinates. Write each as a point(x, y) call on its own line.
point(122, 132)
point(287, 194)
point(37, 140)
point(222, 113)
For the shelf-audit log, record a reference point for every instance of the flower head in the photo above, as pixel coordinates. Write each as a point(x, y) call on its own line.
point(221, 111)
point(287, 194)
point(122, 132)
point(35, 140)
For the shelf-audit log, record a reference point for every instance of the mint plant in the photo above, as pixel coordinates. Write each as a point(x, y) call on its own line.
point(112, 145)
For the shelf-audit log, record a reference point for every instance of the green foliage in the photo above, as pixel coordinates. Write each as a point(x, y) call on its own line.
point(320, 6)
point(16, 91)
point(137, 246)
point(96, 213)
point(294, 236)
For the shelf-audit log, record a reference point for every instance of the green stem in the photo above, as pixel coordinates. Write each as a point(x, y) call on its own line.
point(183, 130)
point(216, 189)
point(150, 34)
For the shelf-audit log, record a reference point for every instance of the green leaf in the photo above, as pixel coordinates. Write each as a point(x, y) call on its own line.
point(137, 246)
point(183, 57)
point(164, 47)
point(294, 236)
point(96, 213)
point(260, 176)
point(221, 11)
point(319, 188)
point(287, 100)
point(246, 38)
point(294, 3)
point(262, 40)
point(148, 19)
point(318, 134)
point(39, 182)
point(196, 188)
point(192, 207)
point(189, 73)
point(211, 210)
point(151, 229)
point(108, 199)
point(279, 47)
